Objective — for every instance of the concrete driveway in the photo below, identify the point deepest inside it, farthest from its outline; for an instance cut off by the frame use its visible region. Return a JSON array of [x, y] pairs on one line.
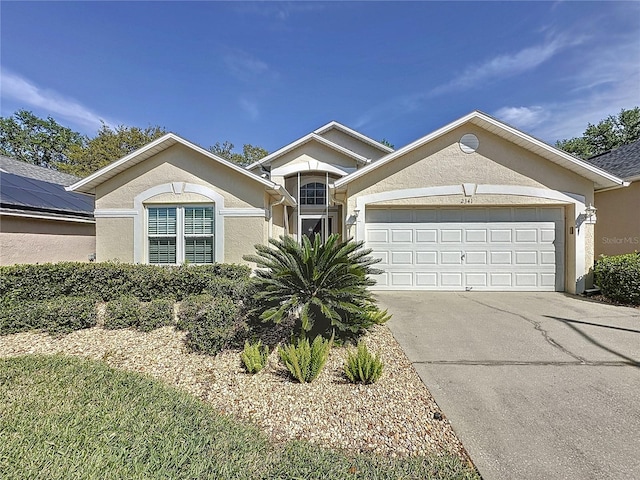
[[536, 385]]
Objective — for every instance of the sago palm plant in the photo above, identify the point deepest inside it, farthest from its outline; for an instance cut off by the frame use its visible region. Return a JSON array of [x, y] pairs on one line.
[[322, 286]]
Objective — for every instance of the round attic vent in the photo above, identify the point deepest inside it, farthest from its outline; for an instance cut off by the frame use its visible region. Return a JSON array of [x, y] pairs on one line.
[[469, 143]]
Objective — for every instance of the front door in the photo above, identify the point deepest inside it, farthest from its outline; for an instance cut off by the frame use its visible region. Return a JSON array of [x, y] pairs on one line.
[[310, 225]]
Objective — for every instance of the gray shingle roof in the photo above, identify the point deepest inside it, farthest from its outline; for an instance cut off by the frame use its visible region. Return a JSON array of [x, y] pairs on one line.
[[24, 169], [624, 161]]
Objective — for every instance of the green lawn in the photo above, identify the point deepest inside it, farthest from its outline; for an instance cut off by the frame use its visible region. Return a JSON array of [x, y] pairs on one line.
[[63, 417]]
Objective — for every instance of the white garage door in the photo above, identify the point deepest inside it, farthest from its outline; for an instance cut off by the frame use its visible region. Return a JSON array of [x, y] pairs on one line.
[[467, 249]]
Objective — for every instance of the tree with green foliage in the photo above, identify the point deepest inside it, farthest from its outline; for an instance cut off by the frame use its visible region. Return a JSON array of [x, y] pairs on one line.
[[386, 143], [249, 155], [321, 286], [108, 145], [608, 134], [42, 142]]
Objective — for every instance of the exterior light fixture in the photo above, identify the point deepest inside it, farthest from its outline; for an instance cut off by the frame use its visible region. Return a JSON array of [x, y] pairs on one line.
[[590, 214]]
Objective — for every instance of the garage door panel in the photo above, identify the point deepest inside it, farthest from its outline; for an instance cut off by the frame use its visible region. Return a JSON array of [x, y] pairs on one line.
[[443, 254], [402, 236], [476, 258], [451, 279], [448, 235], [426, 236], [473, 235], [376, 235], [427, 258], [401, 258], [451, 258]]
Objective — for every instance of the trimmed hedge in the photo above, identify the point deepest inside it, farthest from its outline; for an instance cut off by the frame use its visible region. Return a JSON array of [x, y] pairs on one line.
[[109, 280], [213, 323], [129, 312], [56, 316], [619, 277]]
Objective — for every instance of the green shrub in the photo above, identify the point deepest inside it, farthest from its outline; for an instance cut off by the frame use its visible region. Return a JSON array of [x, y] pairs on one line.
[[619, 277], [110, 280], [322, 285], [155, 314], [254, 356], [56, 316], [212, 322], [362, 366], [123, 312], [303, 360]]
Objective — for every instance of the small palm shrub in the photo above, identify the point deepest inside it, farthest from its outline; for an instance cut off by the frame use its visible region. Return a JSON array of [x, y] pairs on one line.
[[322, 286], [363, 367], [254, 356], [303, 360]]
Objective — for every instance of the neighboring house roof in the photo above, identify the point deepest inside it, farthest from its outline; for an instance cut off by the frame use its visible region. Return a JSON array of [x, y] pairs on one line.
[[624, 161], [23, 196], [600, 178], [88, 184], [24, 169]]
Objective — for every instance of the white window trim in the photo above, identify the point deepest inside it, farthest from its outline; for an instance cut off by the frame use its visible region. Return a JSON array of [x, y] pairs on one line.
[[140, 220], [180, 234]]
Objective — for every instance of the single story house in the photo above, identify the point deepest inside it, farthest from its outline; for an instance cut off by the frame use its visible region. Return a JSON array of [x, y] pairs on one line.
[[474, 205], [40, 221], [618, 226]]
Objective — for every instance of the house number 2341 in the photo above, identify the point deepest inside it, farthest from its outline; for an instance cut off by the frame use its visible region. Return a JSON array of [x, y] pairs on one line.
[[466, 200]]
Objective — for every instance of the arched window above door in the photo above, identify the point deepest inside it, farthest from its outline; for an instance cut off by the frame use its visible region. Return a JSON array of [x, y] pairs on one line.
[[313, 193]]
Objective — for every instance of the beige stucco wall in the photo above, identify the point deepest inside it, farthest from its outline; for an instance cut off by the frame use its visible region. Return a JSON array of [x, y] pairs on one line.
[[240, 236], [114, 239], [618, 220], [31, 240], [180, 164], [353, 144]]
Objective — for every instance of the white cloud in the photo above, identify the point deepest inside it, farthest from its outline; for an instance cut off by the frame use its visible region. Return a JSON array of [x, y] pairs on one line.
[[250, 108], [602, 87], [246, 67], [507, 65], [22, 90], [525, 118]]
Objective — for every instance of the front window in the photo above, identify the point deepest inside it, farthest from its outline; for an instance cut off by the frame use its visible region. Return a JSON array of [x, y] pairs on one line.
[[180, 234], [314, 193]]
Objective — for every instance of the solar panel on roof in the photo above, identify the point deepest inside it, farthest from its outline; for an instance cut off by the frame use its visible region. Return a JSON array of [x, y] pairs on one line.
[[18, 191]]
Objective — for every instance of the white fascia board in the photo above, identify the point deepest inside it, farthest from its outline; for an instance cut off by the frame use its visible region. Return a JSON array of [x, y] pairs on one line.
[[301, 141], [282, 192], [164, 142], [353, 133], [478, 118], [44, 216]]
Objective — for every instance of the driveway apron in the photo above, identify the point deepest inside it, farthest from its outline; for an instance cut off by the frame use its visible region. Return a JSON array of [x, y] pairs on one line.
[[536, 385]]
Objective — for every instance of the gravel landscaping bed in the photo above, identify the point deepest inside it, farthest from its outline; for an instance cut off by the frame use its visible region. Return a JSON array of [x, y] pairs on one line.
[[396, 416]]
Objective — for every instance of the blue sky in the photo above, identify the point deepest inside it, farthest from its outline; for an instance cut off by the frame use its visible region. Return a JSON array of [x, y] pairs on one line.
[[267, 73]]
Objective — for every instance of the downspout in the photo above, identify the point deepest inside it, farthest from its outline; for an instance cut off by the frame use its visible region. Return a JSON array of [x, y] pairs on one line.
[[343, 220], [279, 202]]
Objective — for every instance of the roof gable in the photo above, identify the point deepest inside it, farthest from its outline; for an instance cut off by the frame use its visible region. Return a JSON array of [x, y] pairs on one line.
[[311, 137], [601, 178], [88, 184], [624, 161], [333, 125]]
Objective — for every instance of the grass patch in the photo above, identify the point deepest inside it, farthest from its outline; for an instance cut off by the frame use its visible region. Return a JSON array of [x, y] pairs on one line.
[[63, 417]]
